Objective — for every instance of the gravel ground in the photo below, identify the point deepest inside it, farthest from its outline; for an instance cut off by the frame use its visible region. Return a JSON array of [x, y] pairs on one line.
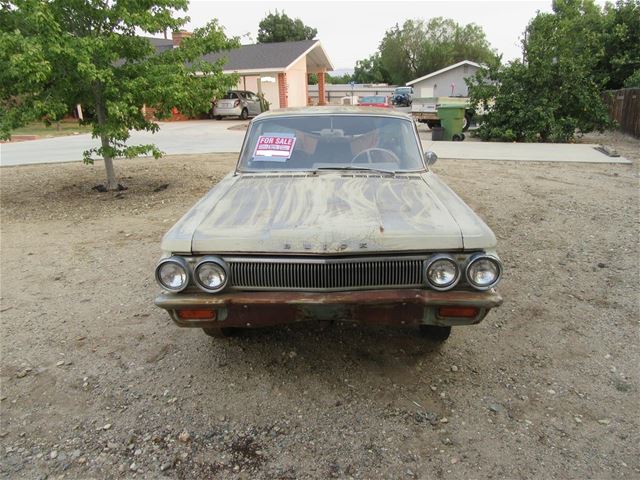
[[98, 383]]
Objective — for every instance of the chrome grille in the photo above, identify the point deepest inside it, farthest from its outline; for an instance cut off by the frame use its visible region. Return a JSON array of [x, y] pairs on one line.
[[330, 274]]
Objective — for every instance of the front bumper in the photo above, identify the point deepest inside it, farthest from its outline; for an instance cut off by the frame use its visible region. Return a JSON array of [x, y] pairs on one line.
[[379, 307]]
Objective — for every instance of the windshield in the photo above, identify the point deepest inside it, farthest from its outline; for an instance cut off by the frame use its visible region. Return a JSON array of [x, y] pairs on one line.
[[331, 142], [230, 96], [403, 90]]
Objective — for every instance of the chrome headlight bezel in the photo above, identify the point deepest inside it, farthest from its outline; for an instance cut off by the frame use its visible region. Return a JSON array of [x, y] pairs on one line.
[[178, 261], [483, 256], [429, 264], [217, 261]]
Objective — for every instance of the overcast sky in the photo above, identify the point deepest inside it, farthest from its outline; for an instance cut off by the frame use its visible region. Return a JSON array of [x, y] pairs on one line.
[[352, 30]]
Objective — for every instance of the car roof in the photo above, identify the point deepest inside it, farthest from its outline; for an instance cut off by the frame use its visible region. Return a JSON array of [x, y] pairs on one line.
[[333, 110]]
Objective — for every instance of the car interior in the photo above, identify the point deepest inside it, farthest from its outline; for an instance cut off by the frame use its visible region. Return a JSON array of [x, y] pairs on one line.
[[325, 142]]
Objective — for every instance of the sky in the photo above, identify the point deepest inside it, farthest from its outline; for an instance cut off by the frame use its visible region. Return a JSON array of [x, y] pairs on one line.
[[352, 30]]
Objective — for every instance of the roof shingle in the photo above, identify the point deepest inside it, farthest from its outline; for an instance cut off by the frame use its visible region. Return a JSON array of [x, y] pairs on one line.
[[160, 44], [275, 56]]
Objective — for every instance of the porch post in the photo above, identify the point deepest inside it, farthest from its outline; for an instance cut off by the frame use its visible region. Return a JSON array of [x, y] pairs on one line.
[[282, 90], [321, 100]]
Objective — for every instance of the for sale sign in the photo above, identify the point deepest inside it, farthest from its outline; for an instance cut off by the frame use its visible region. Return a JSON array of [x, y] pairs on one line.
[[274, 147]]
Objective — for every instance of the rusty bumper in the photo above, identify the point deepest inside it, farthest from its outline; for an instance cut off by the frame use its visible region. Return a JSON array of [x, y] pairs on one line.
[[380, 307]]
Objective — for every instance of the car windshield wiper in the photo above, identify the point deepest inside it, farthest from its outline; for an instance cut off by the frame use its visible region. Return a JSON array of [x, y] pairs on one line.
[[364, 169]]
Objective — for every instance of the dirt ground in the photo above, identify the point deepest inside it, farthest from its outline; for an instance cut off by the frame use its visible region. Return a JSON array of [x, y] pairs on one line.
[[98, 383]]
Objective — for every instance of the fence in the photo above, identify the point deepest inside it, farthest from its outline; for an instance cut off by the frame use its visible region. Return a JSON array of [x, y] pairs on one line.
[[624, 108]]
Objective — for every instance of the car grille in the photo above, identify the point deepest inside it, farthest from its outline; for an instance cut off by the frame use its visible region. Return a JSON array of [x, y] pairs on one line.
[[325, 275]]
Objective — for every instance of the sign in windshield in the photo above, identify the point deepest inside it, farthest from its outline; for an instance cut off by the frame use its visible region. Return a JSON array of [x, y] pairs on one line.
[[274, 146], [325, 142]]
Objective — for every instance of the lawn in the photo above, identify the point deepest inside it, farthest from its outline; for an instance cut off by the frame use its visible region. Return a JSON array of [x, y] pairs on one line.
[[66, 127]]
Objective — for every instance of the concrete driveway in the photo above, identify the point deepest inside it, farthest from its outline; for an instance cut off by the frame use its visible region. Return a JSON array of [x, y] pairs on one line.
[[527, 152], [198, 136], [210, 136]]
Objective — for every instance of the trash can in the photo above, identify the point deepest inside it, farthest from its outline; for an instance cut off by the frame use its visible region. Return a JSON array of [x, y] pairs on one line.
[[437, 133], [452, 119]]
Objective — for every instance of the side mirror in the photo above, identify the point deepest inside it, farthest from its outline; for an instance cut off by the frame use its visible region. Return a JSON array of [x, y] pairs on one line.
[[430, 157]]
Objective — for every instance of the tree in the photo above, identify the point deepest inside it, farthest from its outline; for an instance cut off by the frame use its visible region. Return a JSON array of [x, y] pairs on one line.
[[633, 80], [418, 48], [338, 79], [555, 91], [279, 27], [61, 53], [370, 70], [621, 55]]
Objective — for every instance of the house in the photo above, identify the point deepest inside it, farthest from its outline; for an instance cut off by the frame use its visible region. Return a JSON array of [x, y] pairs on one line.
[[446, 82], [278, 70]]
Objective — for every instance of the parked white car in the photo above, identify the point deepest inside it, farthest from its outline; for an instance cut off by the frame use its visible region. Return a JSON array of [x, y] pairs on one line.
[[237, 103]]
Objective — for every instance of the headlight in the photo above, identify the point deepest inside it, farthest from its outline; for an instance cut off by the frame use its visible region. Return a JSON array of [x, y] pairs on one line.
[[173, 274], [442, 272], [483, 272], [211, 274]]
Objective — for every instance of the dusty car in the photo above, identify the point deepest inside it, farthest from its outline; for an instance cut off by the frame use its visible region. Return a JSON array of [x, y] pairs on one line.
[[332, 213], [237, 103]]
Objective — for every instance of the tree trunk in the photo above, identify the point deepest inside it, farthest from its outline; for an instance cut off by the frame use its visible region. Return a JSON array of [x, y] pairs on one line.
[[112, 183], [101, 114]]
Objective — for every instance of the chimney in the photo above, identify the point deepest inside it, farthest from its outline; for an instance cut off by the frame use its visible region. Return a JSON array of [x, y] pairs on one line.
[[178, 36]]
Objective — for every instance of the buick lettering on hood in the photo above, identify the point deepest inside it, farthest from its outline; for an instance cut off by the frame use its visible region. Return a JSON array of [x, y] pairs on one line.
[[332, 213]]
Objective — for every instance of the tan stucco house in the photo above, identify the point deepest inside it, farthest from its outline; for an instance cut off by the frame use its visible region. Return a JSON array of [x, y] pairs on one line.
[[279, 70]]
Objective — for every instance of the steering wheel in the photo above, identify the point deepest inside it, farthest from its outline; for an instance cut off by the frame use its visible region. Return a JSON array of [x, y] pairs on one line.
[[374, 149]]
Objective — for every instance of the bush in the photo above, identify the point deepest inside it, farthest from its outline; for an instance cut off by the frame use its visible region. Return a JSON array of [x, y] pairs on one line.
[[556, 91], [525, 103], [633, 81]]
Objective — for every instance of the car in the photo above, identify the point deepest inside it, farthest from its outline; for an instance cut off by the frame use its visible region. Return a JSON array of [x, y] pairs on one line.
[[237, 103], [331, 213], [402, 96], [374, 101]]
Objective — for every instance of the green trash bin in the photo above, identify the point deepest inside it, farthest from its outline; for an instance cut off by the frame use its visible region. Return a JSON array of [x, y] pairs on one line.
[[452, 119]]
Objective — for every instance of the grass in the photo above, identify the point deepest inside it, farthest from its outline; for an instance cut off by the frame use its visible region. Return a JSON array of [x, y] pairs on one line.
[[67, 127]]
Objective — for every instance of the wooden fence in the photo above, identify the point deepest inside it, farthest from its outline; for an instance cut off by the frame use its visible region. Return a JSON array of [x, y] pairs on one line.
[[624, 108]]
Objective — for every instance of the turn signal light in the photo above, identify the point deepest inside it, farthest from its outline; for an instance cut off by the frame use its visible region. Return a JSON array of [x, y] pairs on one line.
[[197, 314], [458, 312]]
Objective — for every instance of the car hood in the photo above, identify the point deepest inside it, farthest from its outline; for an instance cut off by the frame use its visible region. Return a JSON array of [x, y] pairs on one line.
[[329, 212]]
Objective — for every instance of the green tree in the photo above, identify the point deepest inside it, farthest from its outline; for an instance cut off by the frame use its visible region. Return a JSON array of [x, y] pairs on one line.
[[621, 55], [555, 91], [279, 27], [370, 70], [418, 48], [633, 80], [338, 79], [60, 53]]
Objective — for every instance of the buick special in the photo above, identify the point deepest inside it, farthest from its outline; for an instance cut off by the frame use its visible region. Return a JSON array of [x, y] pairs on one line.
[[331, 213]]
